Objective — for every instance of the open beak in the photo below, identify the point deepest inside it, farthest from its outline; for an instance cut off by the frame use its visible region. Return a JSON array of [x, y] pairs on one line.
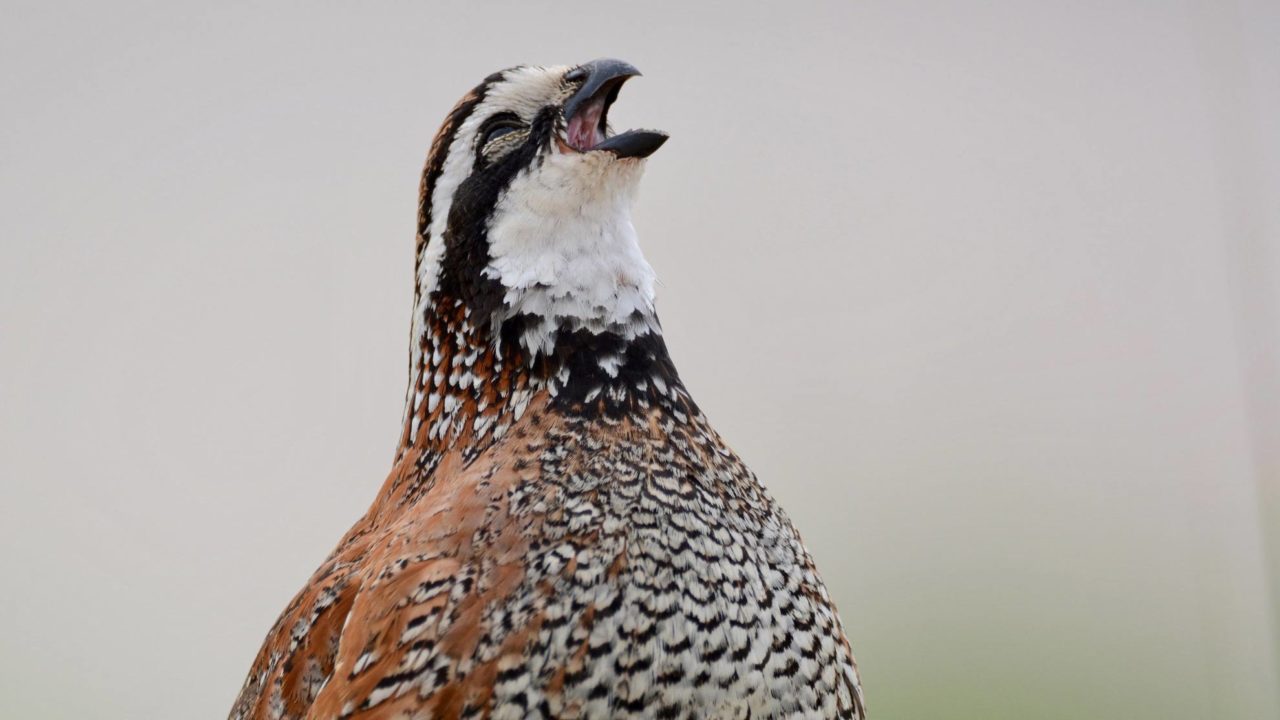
[[586, 112]]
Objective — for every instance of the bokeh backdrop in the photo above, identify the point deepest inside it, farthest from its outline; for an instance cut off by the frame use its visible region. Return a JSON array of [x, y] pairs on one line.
[[985, 292]]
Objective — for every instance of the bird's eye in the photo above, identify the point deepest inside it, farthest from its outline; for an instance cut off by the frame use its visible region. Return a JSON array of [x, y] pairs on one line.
[[498, 130]]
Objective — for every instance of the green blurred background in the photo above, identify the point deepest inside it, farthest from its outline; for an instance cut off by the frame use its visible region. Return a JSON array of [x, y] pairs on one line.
[[985, 292]]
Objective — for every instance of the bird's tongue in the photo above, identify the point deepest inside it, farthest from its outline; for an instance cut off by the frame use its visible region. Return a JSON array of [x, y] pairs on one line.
[[584, 127]]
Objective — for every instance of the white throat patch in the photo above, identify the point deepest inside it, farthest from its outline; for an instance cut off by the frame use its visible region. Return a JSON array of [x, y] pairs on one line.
[[562, 245]]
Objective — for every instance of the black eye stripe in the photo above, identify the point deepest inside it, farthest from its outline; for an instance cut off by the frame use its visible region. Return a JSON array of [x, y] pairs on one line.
[[466, 235]]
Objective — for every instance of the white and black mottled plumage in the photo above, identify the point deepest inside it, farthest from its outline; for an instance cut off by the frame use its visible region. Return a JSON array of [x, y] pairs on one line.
[[563, 533]]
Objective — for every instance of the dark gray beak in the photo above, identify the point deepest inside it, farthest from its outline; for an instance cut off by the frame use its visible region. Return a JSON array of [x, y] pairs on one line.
[[602, 79]]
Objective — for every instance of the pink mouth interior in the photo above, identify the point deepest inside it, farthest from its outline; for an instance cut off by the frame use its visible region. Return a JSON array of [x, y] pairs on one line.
[[584, 127]]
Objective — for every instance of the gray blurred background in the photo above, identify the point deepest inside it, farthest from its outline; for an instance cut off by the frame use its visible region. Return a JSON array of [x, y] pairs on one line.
[[985, 292]]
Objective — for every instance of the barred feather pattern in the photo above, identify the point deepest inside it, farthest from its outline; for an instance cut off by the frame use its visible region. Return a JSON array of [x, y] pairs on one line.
[[579, 568]]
